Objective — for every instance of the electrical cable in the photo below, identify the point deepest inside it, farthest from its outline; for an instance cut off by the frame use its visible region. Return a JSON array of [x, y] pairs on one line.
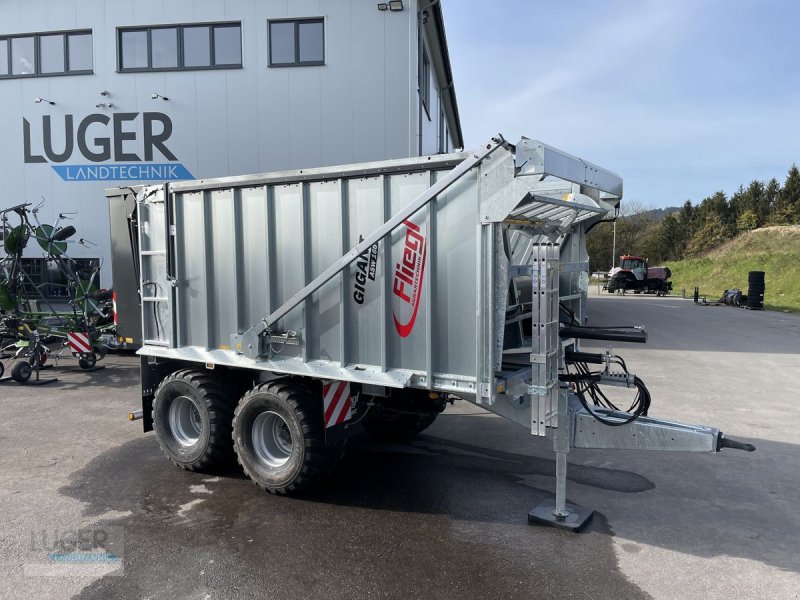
[[586, 383]]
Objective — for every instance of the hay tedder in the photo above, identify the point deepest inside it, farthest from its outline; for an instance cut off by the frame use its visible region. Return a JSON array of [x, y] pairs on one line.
[[37, 328]]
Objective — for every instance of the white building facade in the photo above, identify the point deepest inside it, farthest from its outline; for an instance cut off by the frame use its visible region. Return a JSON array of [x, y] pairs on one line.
[[98, 93]]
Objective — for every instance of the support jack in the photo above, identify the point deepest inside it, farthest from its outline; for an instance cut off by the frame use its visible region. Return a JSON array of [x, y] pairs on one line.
[[575, 519]]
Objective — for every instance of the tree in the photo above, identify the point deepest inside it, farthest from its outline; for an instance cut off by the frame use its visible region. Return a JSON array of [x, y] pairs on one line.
[[790, 197], [598, 245], [777, 214], [747, 221], [670, 240], [740, 202], [758, 201], [709, 235]]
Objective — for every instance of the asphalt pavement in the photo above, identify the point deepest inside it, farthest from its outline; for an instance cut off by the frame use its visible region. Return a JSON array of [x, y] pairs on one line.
[[443, 516]]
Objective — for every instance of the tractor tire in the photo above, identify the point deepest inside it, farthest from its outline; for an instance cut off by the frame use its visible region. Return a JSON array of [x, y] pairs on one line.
[[401, 416], [2, 370], [21, 371], [192, 418], [279, 437]]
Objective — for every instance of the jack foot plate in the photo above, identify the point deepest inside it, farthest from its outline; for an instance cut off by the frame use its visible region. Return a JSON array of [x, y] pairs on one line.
[[576, 519]]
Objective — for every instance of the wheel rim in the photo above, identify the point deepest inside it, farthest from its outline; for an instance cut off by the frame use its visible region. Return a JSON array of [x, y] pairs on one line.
[[184, 421], [272, 439]]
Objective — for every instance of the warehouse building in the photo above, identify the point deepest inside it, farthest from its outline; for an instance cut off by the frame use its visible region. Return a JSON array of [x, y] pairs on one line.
[[97, 94]]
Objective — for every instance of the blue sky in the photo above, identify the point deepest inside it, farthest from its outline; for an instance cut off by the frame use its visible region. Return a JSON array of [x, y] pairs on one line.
[[681, 98]]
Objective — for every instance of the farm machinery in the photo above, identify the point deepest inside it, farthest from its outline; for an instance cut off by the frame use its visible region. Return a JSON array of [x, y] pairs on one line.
[[633, 274], [282, 313], [33, 327]]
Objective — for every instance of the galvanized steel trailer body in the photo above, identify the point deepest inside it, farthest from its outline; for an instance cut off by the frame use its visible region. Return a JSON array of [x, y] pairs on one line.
[[447, 273]]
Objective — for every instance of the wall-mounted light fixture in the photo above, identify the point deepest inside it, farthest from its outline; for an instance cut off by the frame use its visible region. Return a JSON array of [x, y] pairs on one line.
[[104, 93], [40, 100], [156, 96], [105, 105], [394, 5]]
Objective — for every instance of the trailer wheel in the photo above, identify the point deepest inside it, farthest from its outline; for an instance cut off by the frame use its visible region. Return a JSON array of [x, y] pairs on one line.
[[279, 437], [402, 415], [88, 361], [192, 419], [21, 371]]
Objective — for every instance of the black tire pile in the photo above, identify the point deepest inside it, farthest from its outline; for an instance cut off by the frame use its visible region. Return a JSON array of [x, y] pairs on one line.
[[755, 289]]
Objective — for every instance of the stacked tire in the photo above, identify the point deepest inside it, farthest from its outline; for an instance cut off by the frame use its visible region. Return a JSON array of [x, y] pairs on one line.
[[755, 290]]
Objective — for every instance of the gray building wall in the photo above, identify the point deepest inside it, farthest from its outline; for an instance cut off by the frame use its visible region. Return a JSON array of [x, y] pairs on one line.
[[362, 105]]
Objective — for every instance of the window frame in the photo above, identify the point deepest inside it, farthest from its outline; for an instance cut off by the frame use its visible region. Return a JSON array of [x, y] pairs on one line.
[[37, 66], [296, 21], [442, 128], [181, 67], [425, 81]]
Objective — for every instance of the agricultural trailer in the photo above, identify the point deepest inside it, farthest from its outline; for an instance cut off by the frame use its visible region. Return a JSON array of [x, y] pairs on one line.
[[283, 312]]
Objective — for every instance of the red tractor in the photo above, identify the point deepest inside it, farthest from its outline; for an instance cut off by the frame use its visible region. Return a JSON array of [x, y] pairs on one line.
[[634, 275]]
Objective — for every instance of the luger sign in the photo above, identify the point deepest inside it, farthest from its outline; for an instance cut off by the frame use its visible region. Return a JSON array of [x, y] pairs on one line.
[[100, 139]]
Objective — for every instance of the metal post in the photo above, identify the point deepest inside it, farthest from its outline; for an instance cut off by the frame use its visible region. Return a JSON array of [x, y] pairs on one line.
[[561, 448], [614, 247], [558, 512], [561, 485]]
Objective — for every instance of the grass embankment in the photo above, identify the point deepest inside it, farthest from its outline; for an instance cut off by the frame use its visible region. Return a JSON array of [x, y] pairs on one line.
[[774, 250]]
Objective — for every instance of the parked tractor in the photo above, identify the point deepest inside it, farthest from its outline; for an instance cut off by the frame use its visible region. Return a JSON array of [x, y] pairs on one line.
[[633, 275]]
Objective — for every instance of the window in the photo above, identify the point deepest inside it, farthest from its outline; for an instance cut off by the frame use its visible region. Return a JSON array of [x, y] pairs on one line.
[[135, 45], [3, 57], [164, 42], [296, 43], [52, 54], [196, 47], [79, 51], [425, 81], [23, 56], [46, 54], [227, 46], [179, 47]]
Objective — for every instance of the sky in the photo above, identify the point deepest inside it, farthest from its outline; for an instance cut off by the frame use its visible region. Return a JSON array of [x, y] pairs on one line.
[[682, 98]]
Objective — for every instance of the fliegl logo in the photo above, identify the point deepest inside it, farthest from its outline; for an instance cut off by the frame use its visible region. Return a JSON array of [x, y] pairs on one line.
[[408, 275], [104, 144]]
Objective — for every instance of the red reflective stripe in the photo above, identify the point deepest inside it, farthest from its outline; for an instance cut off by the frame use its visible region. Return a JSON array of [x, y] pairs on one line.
[[79, 342], [345, 414], [334, 401]]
